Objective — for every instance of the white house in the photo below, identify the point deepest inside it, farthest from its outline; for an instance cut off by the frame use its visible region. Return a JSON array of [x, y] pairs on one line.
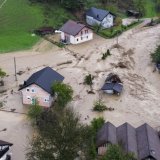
[[4, 150], [104, 18], [38, 87], [74, 32]]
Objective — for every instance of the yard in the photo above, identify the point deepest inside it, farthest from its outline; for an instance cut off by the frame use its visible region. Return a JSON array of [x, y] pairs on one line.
[[18, 20]]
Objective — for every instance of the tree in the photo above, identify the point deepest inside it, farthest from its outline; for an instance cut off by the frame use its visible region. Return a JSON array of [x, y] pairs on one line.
[[60, 136], [156, 55], [115, 152], [34, 112], [64, 93], [139, 5], [89, 80]]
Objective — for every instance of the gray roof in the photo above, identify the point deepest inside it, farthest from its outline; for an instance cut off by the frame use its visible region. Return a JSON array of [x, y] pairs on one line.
[[148, 142], [143, 141], [71, 27], [98, 14], [117, 87], [44, 79], [126, 135], [107, 134], [4, 143]]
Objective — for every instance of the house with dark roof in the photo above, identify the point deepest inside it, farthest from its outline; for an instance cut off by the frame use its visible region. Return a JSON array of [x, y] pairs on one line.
[[38, 87], [143, 141], [4, 150], [103, 18], [74, 32], [112, 85]]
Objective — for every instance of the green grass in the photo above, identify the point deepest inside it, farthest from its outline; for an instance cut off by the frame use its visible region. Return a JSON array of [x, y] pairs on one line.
[[150, 8], [19, 18]]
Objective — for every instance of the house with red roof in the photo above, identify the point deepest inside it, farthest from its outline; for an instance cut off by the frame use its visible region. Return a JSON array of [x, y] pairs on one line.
[[74, 32]]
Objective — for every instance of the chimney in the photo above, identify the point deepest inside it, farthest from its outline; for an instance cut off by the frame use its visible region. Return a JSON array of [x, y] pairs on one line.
[[97, 15]]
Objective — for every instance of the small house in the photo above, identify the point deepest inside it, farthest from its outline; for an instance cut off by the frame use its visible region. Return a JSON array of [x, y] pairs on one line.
[[74, 32], [38, 87], [143, 141], [112, 85], [100, 17], [4, 150]]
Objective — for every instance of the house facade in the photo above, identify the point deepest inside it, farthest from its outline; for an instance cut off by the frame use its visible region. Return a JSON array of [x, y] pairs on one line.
[[33, 93], [74, 33], [99, 17], [37, 89], [143, 141]]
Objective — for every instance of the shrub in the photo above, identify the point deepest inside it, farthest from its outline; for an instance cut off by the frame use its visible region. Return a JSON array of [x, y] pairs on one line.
[[118, 21], [156, 55], [97, 123], [99, 106], [88, 79], [105, 55]]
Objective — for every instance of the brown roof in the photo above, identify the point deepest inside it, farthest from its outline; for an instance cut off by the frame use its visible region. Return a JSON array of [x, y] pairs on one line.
[[143, 141], [71, 27]]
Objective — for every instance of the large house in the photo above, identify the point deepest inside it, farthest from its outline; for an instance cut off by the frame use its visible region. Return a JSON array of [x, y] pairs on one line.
[[38, 87], [74, 32], [103, 18], [143, 142], [4, 149]]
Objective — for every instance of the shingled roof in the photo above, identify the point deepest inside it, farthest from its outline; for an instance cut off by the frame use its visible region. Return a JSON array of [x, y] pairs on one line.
[[148, 142], [44, 79], [143, 141], [98, 14], [126, 135], [72, 28], [107, 134]]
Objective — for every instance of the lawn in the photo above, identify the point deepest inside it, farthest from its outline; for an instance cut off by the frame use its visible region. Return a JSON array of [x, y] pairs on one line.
[[150, 8], [19, 18]]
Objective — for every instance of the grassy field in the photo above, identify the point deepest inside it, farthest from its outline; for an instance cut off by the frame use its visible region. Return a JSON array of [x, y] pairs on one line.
[[18, 19], [150, 10]]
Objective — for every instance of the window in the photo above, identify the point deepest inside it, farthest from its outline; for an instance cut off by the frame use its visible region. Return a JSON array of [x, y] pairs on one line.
[[28, 97], [77, 39], [87, 37], [27, 89], [81, 38], [33, 90], [81, 32], [46, 100], [86, 31]]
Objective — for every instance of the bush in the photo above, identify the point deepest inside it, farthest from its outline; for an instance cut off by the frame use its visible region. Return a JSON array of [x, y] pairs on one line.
[[105, 55], [156, 55], [88, 79], [99, 106], [118, 21], [97, 123]]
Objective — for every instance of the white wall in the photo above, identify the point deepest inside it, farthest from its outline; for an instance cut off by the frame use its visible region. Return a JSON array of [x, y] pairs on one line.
[[81, 39], [106, 23]]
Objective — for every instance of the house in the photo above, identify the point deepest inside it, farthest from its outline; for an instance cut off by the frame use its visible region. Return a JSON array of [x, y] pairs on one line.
[[4, 149], [38, 87], [104, 18], [112, 85], [143, 141], [75, 32]]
